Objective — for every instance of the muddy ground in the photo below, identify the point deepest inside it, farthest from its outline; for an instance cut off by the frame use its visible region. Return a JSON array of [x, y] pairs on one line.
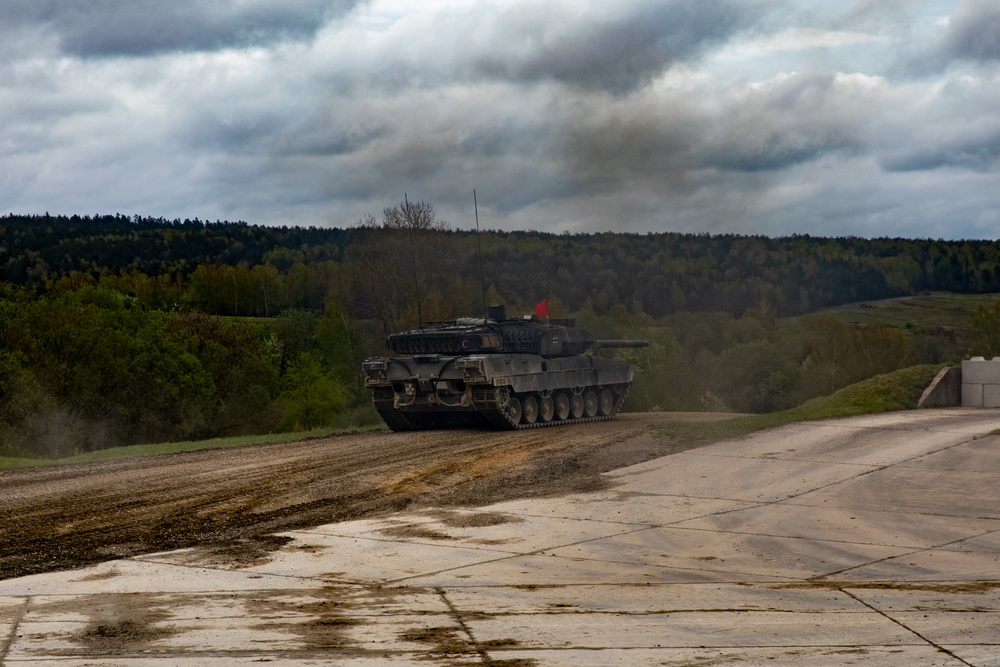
[[232, 501]]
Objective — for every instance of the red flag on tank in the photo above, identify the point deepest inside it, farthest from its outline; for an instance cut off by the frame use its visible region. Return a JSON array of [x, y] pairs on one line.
[[542, 309]]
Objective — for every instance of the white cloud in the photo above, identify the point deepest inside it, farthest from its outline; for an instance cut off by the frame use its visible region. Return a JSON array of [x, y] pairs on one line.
[[794, 39]]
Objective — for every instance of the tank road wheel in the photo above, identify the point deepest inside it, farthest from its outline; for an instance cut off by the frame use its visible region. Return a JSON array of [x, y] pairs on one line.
[[546, 409], [605, 402], [590, 403], [562, 406], [530, 409], [514, 410], [576, 406]]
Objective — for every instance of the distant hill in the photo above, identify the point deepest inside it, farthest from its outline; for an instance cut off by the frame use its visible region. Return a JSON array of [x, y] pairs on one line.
[[924, 311]]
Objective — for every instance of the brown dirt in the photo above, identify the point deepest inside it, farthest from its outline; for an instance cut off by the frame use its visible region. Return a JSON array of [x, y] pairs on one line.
[[231, 501]]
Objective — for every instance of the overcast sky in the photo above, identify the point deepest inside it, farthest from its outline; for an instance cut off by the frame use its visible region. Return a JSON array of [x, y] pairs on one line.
[[824, 117]]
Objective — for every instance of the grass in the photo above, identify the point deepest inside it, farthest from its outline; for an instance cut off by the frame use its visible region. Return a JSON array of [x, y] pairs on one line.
[[936, 309], [114, 453], [899, 390]]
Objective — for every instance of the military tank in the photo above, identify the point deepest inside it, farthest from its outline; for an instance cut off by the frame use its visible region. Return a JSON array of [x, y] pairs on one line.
[[506, 372]]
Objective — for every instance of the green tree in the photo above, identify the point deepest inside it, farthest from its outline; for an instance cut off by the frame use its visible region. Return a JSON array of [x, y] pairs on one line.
[[665, 377], [207, 289], [830, 363], [310, 397], [760, 377], [294, 335], [243, 371], [343, 348], [20, 398]]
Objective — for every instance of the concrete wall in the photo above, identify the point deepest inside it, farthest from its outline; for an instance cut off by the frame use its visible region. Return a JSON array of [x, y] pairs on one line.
[[945, 391], [981, 383]]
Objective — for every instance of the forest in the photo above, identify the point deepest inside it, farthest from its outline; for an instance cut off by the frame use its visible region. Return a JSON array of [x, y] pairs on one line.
[[120, 330]]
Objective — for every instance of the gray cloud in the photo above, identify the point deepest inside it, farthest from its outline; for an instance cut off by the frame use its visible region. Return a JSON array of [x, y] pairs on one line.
[[101, 28], [578, 116], [672, 141], [979, 153], [974, 31], [954, 125], [795, 119], [617, 53]]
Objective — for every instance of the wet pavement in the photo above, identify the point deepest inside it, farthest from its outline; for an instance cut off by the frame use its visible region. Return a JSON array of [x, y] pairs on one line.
[[872, 540]]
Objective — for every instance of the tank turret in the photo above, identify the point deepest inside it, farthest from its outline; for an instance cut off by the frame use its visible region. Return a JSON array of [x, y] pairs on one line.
[[499, 334], [511, 372]]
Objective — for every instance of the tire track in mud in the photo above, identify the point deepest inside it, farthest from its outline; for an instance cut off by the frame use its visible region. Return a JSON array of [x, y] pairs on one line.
[[72, 516]]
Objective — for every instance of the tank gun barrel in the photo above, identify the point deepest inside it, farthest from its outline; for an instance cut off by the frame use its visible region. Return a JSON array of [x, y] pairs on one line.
[[619, 343]]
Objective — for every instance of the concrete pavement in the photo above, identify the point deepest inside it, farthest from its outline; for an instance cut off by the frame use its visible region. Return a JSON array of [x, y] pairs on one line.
[[872, 540]]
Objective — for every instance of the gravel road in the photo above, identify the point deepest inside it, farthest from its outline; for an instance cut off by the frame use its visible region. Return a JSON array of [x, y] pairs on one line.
[[233, 500]]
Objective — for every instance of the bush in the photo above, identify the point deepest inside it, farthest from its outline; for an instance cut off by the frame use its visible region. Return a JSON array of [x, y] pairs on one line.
[[310, 397]]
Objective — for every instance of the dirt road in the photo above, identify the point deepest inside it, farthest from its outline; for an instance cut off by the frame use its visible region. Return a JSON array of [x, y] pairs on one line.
[[233, 500]]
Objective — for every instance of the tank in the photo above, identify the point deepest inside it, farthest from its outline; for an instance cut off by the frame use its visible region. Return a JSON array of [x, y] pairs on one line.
[[504, 372]]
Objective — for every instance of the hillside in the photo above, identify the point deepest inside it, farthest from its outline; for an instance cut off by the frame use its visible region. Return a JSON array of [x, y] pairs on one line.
[[921, 311]]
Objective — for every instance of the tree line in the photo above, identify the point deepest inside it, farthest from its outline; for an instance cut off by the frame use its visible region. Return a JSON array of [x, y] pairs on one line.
[[239, 269], [91, 368]]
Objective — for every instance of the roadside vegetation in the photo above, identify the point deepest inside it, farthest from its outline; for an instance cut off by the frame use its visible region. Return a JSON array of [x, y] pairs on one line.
[[899, 390], [119, 331]]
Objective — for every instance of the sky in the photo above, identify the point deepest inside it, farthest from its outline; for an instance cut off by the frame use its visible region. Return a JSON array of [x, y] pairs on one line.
[[867, 118]]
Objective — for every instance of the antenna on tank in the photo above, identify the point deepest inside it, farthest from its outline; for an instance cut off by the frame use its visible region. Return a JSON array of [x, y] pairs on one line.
[[479, 242], [413, 260]]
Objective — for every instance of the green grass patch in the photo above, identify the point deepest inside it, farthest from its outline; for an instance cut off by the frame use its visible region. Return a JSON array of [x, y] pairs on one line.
[[936, 309], [884, 393], [114, 453]]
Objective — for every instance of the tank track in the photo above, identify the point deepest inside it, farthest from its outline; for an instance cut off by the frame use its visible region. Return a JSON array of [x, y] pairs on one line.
[[397, 420], [382, 398], [492, 405]]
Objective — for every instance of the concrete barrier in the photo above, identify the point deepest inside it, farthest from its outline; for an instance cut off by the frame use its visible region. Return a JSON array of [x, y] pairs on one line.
[[981, 383]]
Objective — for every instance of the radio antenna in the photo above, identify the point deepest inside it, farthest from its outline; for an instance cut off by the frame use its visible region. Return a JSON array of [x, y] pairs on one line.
[[479, 242], [413, 259]]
